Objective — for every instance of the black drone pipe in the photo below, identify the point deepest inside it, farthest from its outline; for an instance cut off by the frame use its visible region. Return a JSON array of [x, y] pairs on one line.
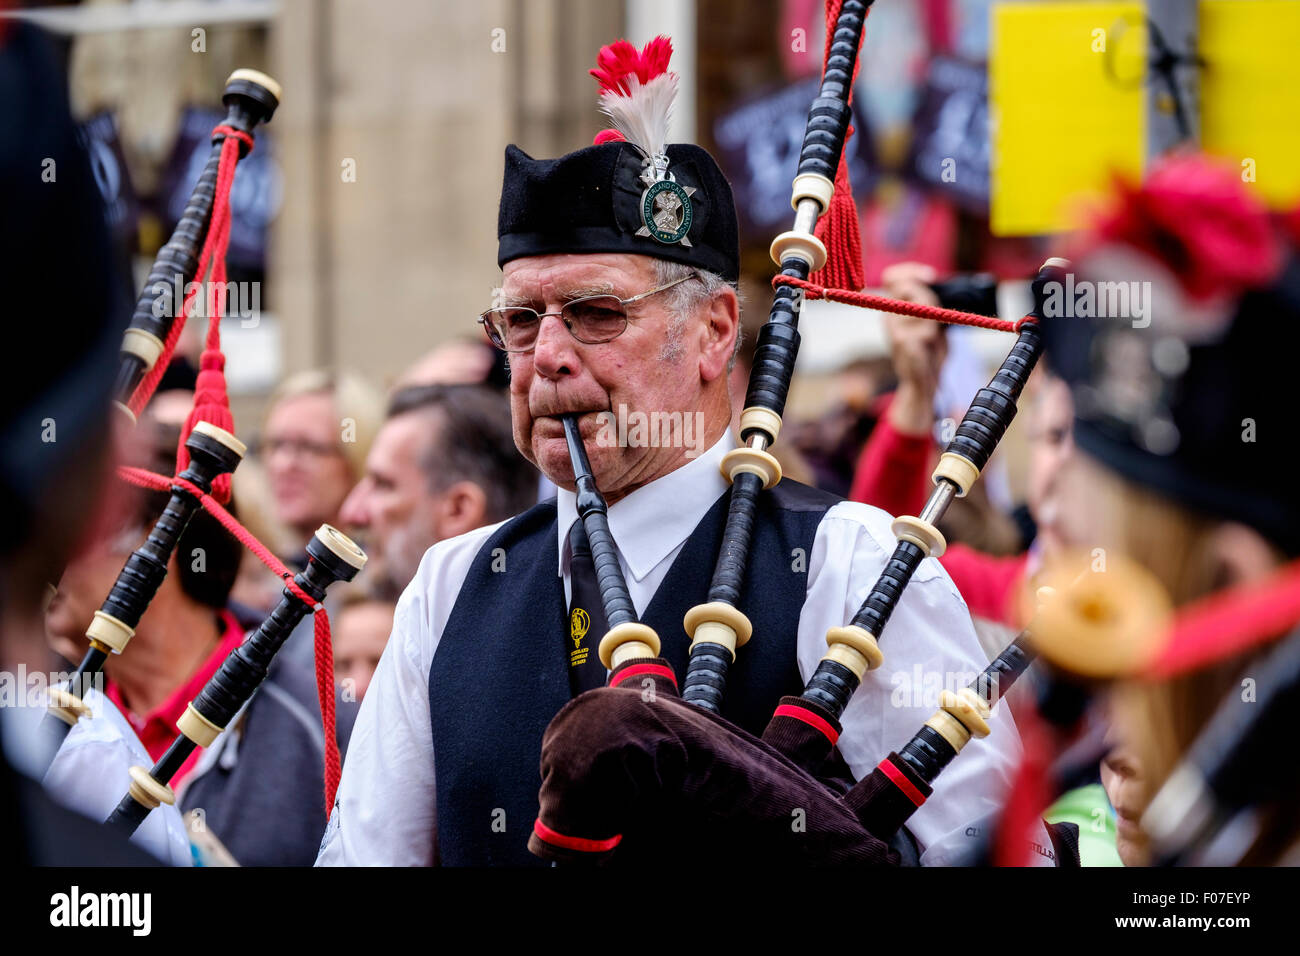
[[213, 452], [331, 557], [627, 639], [718, 627], [251, 99]]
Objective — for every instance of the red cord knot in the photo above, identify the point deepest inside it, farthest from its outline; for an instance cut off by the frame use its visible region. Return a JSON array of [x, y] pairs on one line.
[[245, 139]]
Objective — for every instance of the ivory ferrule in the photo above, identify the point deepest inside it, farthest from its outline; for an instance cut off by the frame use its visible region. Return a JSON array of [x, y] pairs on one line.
[[143, 345], [125, 410], [854, 647], [801, 245], [148, 792], [763, 420], [920, 533], [969, 708], [950, 728], [197, 727], [811, 188], [67, 706], [718, 623], [958, 470], [753, 461], [107, 631], [626, 642]]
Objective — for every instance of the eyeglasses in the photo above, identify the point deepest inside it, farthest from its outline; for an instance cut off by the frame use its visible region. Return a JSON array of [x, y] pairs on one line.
[[592, 320], [298, 447]]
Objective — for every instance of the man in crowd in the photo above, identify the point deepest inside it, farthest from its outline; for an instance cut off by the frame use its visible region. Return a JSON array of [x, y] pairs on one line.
[[443, 463]]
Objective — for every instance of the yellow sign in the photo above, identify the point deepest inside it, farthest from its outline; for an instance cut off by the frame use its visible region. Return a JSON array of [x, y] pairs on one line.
[[1250, 91], [1066, 110]]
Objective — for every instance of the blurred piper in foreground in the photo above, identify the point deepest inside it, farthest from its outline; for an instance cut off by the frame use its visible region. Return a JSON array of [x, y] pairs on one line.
[[1182, 451]]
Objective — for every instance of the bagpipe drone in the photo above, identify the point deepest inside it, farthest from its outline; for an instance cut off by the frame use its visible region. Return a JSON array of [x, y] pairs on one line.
[[208, 454]]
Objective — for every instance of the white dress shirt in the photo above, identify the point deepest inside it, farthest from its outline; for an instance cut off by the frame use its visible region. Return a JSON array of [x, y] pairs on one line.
[[91, 772], [386, 801]]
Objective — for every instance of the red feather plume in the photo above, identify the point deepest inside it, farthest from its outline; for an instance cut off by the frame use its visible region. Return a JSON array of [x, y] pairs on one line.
[[1196, 216], [620, 60]]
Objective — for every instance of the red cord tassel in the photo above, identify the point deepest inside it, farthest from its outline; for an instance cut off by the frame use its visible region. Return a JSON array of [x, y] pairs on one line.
[[211, 404], [840, 233], [211, 398], [838, 229]]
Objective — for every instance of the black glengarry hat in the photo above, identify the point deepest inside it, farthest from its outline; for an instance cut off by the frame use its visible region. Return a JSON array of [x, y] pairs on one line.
[[629, 193], [1190, 398]]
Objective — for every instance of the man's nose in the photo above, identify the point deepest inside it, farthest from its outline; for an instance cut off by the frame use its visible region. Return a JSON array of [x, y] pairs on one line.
[[355, 510], [555, 354]]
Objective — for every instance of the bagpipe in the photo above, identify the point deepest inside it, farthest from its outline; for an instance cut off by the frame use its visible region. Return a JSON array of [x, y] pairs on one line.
[[207, 455], [331, 557], [251, 99], [594, 794]]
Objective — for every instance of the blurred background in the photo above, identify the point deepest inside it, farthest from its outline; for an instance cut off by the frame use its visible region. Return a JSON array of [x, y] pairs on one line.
[[364, 221], [368, 210]]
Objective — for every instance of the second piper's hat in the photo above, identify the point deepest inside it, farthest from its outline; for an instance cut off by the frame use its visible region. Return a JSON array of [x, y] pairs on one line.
[[1181, 389]]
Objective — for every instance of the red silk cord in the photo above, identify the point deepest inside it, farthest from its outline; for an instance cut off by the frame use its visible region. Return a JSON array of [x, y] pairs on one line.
[[220, 210], [211, 401], [884, 303]]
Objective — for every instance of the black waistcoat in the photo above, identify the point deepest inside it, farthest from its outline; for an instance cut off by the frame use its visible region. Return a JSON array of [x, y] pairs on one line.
[[500, 672]]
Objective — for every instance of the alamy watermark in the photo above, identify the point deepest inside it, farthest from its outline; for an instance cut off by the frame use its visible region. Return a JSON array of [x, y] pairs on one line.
[[1084, 299], [75, 908], [228, 299], [24, 688], [921, 688], [637, 429]]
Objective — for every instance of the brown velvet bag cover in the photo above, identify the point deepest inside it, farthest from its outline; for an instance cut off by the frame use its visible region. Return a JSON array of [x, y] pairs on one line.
[[670, 782]]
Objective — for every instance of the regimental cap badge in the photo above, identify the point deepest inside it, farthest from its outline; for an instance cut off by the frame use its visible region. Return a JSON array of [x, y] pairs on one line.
[[637, 94], [666, 212]]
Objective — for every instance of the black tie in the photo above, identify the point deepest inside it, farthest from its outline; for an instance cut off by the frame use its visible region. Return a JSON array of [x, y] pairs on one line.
[[587, 623]]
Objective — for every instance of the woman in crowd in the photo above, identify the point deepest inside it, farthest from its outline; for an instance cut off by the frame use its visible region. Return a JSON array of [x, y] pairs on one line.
[[314, 446]]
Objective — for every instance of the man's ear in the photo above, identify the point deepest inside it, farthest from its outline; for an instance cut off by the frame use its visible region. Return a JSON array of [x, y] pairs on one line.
[[718, 333], [461, 508]]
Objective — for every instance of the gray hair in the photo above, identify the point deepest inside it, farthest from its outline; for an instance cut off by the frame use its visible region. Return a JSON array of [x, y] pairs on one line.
[[473, 441], [682, 301]]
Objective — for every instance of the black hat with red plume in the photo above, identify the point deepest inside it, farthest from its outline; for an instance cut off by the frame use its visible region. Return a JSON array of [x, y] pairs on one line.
[[630, 192], [1178, 333]]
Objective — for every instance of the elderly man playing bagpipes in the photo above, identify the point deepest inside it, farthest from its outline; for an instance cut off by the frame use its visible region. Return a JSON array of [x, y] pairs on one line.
[[687, 560]]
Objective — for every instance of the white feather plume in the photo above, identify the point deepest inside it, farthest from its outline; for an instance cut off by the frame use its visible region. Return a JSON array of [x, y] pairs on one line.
[[642, 115]]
